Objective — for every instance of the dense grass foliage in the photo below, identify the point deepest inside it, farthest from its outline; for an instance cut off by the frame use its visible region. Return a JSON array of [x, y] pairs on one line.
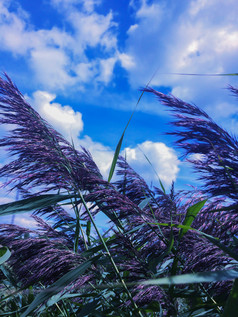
[[165, 254]]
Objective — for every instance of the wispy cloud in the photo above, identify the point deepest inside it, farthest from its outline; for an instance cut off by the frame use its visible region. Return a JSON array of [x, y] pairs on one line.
[[59, 57]]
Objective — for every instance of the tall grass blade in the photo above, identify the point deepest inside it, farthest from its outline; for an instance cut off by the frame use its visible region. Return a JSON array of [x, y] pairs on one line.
[[144, 203], [4, 254], [118, 148], [57, 298], [59, 285], [190, 278], [32, 203], [117, 152], [88, 232], [154, 261], [220, 245], [201, 277], [89, 308], [231, 307], [160, 182], [191, 214]]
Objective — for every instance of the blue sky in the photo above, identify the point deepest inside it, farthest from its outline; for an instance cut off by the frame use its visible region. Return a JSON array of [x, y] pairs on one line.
[[81, 64]]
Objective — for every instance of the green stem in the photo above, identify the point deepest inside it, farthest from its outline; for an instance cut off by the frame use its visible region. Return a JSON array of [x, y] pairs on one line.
[[78, 229], [109, 255]]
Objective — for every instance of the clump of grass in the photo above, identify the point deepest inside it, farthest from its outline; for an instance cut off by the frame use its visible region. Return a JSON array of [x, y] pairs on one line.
[[166, 254]]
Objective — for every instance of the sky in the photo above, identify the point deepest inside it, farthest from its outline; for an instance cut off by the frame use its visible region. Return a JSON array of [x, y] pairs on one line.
[[81, 65]]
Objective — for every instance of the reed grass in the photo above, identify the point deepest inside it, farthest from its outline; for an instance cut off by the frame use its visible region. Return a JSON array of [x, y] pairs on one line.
[[165, 254]]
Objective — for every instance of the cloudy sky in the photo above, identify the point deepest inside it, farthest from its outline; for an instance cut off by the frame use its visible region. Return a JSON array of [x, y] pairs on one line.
[[81, 64]]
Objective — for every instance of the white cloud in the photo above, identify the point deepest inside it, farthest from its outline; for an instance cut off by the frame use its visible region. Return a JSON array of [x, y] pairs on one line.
[[101, 154], [70, 124], [163, 159], [88, 5], [185, 37], [57, 56], [85, 71], [50, 67], [25, 221], [98, 32], [106, 69], [187, 43], [132, 28], [196, 6], [126, 60], [11, 27], [63, 118], [152, 10]]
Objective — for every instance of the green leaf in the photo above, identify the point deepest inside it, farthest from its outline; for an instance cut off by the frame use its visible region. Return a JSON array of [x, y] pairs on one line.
[[154, 261], [191, 278], [89, 308], [88, 232], [115, 157], [212, 239], [113, 217], [220, 245], [168, 224], [94, 250], [4, 254], [148, 160], [191, 215], [231, 307], [118, 148], [201, 277], [59, 285], [32, 203], [144, 203], [56, 298]]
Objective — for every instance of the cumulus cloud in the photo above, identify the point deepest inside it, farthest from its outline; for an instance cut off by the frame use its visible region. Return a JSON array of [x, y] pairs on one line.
[[101, 154], [54, 64], [163, 159], [63, 118], [70, 124]]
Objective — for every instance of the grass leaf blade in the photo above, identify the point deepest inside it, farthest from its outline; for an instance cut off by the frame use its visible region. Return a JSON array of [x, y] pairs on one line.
[[32, 203], [192, 212], [59, 285], [231, 307], [4, 254], [191, 278]]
